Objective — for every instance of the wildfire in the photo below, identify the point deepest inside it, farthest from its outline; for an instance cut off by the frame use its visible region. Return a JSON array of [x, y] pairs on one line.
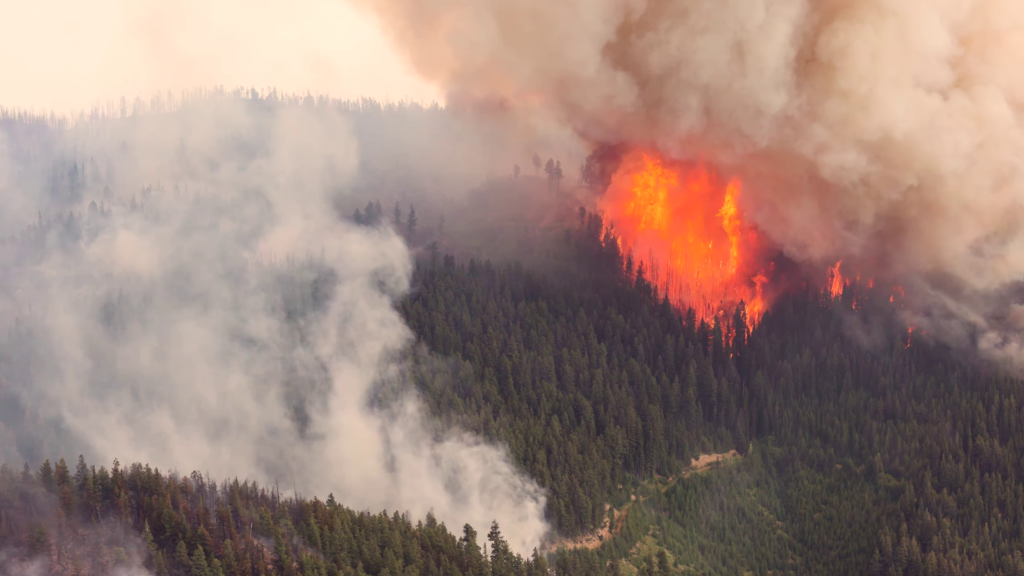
[[687, 226], [835, 284], [897, 290], [835, 287]]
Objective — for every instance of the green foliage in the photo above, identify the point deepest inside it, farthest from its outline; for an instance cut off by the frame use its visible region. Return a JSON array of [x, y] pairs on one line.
[[879, 460], [38, 541], [197, 564], [882, 459], [584, 381], [189, 526]]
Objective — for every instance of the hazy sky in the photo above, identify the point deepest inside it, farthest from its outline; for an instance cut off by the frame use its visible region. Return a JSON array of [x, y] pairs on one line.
[[66, 54]]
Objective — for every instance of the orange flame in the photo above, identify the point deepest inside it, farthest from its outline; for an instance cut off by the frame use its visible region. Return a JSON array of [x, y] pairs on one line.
[[897, 291], [689, 230], [835, 288]]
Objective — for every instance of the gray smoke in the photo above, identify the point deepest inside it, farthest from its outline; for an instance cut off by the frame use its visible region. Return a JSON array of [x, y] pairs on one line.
[[204, 308], [887, 134]]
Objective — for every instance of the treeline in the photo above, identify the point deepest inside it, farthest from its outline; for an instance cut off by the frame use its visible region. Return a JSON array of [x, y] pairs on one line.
[[91, 521], [373, 215], [166, 102]]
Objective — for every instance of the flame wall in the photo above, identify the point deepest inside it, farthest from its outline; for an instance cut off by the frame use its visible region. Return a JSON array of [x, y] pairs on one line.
[[882, 133], [683, 222]]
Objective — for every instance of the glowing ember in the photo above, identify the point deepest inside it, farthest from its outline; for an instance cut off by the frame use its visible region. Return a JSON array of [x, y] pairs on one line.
[[688, 228]]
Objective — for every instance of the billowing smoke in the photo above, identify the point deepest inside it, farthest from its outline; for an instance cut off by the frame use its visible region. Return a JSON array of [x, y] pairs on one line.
[[203, 307], [884, 133]]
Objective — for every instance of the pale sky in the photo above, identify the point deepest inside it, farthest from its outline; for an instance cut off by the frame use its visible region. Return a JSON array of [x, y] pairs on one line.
[[67, 55]]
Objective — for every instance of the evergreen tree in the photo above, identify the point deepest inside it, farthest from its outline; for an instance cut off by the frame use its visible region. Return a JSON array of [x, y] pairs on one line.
[[181, 558], [197, 564], [282, 555], [38, 541], [410, 225], [46, 477]]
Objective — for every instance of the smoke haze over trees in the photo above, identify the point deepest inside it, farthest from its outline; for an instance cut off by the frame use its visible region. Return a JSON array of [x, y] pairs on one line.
[[386, 346], [854, 460], [180, 289]]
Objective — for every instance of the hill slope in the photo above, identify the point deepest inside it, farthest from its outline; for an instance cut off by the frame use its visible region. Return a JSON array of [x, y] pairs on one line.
[[899, 458]]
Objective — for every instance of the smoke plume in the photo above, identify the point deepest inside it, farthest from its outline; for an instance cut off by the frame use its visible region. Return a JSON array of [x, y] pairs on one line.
[[884, 133], [204, 308]]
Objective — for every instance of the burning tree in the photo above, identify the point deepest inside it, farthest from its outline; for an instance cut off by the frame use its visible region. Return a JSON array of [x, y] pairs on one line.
[[686, 224]]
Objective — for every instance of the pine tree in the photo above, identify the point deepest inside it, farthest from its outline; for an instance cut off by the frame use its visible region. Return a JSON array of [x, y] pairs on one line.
[[473, 560], [181, 559], [147, 539], [46, 476], [62, 476], [500, 565], [410, 225], [160, 565], [229, 561], [197, 564], [282, 555]]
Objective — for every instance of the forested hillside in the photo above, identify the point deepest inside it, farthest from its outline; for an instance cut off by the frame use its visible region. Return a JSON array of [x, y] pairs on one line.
[[894, 458], [888, 456], [100, 521]]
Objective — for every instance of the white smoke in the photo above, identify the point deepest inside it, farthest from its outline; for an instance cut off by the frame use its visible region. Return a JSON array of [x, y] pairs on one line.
[[228, 321], [884, 133]]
